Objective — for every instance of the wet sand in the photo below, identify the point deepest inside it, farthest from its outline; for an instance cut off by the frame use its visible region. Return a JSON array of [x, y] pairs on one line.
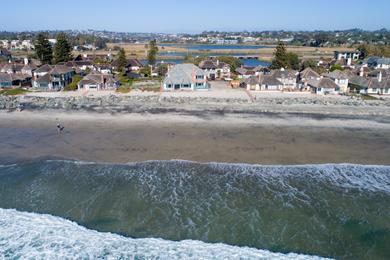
[[257, 139]]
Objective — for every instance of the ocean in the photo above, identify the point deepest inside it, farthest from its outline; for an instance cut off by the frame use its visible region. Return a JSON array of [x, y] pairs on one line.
[[189, 210]]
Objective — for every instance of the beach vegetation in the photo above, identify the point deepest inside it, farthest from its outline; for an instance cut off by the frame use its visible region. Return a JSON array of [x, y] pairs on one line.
[[13, 92], [125, 81], [123, 89]]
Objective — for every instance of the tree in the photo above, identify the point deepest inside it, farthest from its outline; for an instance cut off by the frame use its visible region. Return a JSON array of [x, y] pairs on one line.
[[62, 49], [73, 85], [232, 61], [121, 60], [293, 61], [284, 59], [43, 49], [152, 52], [336, 67], [364, 51], [280, 57]]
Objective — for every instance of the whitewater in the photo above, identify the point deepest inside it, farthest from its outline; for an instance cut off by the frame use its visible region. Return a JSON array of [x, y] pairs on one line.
[[40, 236], [190, 210]]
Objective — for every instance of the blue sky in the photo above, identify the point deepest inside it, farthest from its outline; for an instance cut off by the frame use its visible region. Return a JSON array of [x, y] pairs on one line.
[[172, 16]]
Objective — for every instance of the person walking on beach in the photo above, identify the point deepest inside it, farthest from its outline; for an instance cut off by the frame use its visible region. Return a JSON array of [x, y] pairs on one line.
[[60, 128]]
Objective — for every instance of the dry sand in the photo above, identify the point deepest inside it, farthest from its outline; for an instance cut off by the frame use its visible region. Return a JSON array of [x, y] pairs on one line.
[[260, 139]]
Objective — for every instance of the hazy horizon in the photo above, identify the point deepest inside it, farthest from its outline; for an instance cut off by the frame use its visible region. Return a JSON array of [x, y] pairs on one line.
[[194, 17]]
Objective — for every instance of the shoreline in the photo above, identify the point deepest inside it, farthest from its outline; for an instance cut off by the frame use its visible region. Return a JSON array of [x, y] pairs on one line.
[[261, 139]]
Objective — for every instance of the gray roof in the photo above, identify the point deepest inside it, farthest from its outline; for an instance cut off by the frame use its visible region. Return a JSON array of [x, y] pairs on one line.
[[337, 74], [60, 69], [370, 82], [98, 78], [308, 73], [285, 73], [43, 68], [269, 80], [252, 80], [322, 83], [183, 74], [374, 61], [44, 79]]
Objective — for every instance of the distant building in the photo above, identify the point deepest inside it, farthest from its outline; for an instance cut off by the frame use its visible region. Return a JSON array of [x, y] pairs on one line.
[[185, 77], [345, 55]]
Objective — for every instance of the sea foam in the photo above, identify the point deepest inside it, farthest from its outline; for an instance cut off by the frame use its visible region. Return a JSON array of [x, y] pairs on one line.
[[42, 236]]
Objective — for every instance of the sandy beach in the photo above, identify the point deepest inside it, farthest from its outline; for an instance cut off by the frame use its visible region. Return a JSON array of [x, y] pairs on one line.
[[243, 138]]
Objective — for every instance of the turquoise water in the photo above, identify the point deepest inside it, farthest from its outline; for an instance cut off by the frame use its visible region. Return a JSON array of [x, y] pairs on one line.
[[338, 211]]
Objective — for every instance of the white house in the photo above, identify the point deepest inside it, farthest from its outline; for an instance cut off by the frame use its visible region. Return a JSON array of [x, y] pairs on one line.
[[185, 77]]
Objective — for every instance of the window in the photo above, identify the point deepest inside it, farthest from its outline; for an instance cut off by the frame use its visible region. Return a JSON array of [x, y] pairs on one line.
[[199, 84], [186, 86], [199, 77], [169, 85]]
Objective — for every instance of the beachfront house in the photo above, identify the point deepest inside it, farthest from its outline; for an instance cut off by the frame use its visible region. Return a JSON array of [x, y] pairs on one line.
[[287, 77], [262, 83], [215, 69], [305, 75], [340, 78], [185, 77], [97, 82], [323, 86], [374, 86], [54, 77]]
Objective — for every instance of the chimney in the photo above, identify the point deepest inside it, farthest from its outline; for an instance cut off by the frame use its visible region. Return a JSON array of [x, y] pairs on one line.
[[349, 62], [361, 73], [217, 62], [25, 61], [380, 76]]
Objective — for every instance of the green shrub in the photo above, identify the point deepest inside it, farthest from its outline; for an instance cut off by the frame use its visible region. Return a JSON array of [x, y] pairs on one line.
[[73, 85]]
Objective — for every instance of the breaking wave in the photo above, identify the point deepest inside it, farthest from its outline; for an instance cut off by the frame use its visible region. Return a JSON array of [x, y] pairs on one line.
[[41, 236], [338, 211]]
